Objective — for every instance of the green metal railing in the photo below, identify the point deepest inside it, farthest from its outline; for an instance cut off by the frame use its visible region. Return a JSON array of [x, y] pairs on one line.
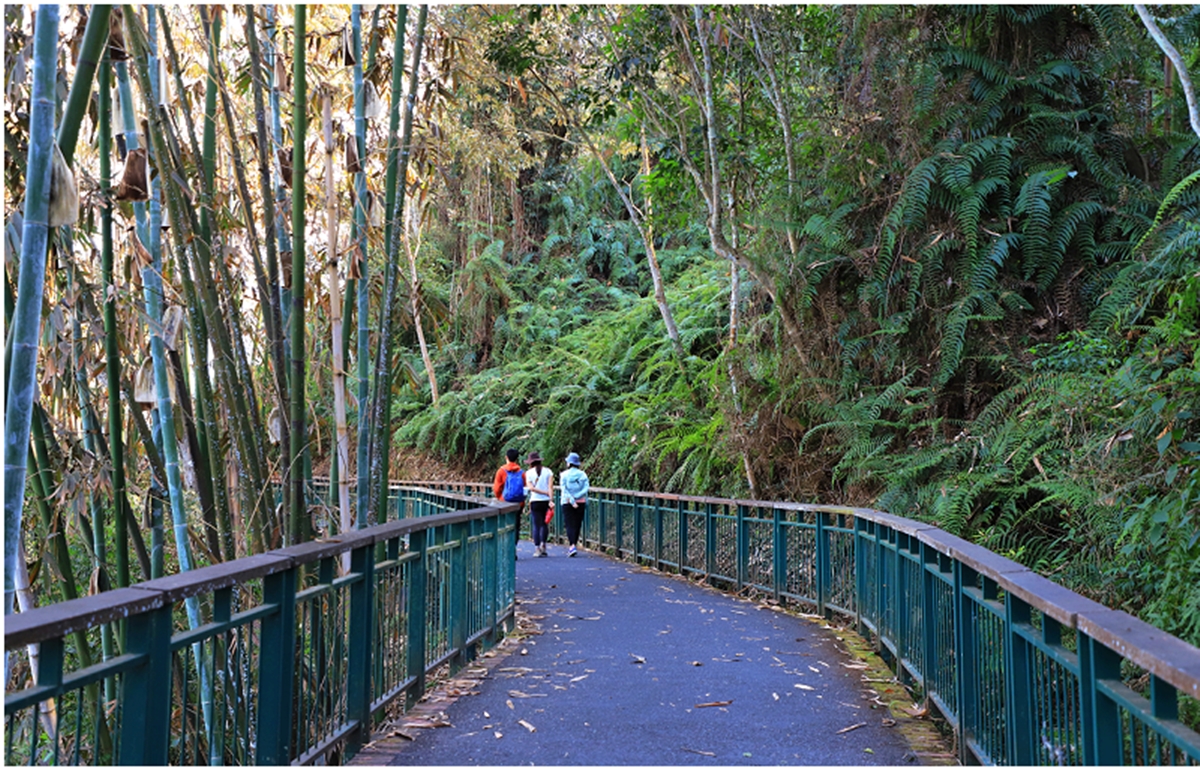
[[301, 649], [1024, 670]]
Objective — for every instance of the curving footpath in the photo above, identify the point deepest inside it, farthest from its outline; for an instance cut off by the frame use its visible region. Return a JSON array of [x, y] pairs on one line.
[[633, 667]]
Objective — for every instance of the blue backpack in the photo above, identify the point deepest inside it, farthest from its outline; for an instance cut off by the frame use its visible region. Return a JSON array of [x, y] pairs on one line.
[[514, 486]]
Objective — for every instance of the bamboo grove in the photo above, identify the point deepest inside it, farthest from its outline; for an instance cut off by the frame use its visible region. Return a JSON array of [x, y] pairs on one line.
[[938, 260]]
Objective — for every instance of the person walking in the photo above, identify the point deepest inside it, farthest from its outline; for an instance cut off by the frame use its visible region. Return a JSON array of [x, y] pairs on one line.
[[509, 485], [539, 481], [574, 499]]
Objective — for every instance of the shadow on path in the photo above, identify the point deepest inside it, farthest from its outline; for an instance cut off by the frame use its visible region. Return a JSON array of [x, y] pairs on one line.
[[633, 667]]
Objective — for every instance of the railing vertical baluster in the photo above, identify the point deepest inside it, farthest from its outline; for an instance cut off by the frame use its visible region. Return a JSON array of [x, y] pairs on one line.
[[658, 534], [1101, 722], [710, 540], [359, 664], [491, 579], [742, 557], [276, 669], [1019, 712], [146, 695], [417, 577]]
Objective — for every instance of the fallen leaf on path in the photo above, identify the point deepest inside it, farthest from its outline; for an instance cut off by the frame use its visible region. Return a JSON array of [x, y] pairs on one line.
[[814, 669], [776, 696], [509, 703], [916, 711], [637, 659], [714, 704], [485, 714], [888, 722], [696, 663], [531, 729], [499, 735], [804, 687], [577, 679], [401, 735], [523, 695], [855, 666], [699, 752], [850, 728], [524, 651], [868, 750]]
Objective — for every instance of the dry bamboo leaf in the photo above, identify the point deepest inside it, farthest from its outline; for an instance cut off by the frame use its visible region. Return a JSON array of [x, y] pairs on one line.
[[850, 728], [714, 704], [705, 753], [523, 695], [804, 687], [528, 727]]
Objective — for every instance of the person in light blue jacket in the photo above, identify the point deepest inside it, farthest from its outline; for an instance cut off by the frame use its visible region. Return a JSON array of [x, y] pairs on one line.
[[575, 488]]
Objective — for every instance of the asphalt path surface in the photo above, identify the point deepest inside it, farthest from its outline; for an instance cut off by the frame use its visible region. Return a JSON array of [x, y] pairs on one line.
[[634, 667]]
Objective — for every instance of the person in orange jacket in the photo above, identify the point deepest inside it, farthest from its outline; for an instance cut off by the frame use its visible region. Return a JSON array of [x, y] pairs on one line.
[[509, 485]]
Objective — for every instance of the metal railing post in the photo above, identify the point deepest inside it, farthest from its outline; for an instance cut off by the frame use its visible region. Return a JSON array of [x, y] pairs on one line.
[[823, 568], [1018, 682], [459, 533], [658, 534], [491, 580], [929, 563], [418, 574], [743, 548], [683, 538], [779, 566], [966, 653], [710, 541], [277, 670], [146, 698], [1101, 719], [360, 637]]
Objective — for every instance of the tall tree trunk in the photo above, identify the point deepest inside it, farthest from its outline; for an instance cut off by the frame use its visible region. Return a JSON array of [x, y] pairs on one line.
[[299, 528], [22, 377]]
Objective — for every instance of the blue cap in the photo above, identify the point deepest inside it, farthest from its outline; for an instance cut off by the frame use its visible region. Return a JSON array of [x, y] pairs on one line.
[[573, 459]]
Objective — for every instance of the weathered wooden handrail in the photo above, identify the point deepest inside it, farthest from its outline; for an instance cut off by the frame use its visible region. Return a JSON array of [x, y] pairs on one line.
[[420, 593]]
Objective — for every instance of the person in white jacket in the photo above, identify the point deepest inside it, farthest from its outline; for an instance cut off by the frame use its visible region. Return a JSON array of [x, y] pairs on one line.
[[574, 499], [539, 482]]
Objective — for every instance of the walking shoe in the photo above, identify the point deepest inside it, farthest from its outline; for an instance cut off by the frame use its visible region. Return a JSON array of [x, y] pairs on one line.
[[572, 552], [542, 551]]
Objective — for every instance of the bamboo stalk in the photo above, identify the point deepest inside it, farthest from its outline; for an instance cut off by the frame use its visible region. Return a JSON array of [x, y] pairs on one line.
[[112, 364], [275, 331], [360, 236], [95, 39], [27, 316], [298, 530], [381, 416], [342, 458]]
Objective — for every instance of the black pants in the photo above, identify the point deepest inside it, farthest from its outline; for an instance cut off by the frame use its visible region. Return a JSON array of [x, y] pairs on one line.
[[537, 521], [574, 518]]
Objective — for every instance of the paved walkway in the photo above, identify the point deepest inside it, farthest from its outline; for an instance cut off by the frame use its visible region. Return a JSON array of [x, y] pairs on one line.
[[634, 667]]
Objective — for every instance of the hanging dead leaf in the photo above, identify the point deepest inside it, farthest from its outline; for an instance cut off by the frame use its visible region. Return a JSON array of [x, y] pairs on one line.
[[353, 165], [116, 35], [285, 164], [135, 179], [172, 324]]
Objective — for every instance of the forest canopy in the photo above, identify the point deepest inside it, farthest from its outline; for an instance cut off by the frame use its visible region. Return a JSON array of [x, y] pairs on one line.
[[938, 260]]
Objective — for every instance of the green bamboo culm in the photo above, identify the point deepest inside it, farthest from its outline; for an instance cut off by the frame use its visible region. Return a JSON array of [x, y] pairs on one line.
[[359, 233], [95, 39], [381, 412], [22, 375], [112, 354], [298, 531]]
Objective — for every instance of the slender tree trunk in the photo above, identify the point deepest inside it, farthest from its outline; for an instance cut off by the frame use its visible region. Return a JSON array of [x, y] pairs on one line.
[[342, 456], [47, 710], [22, 377], [299, 527], [1185, 80]]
